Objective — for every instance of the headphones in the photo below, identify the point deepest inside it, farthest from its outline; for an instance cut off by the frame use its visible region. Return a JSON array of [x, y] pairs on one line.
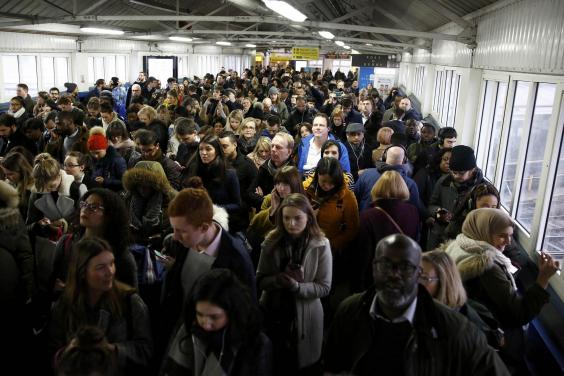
[[385, 154], [441, 134]]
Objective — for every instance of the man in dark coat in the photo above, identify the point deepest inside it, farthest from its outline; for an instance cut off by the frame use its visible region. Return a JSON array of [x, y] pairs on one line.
[[198, 245], [13, 136], [300, 114], [396, 328], [22, 91]]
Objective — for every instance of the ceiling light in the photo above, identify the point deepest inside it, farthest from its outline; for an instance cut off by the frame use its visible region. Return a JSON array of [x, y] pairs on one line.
[[250, 45], [223, 43], [286, 10], [346, 47], [99, 30], [339, 43], [326, 34], [180, 39], [369, 44], [355, 52]]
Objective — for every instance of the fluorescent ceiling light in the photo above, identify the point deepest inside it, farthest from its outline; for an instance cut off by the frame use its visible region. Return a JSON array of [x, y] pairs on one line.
[[99, 30], [250, 45], [326, 34], [339, 43], [223, 43], [180, 39], [346, 47], [355, 52], [369, 44], [286, 10]]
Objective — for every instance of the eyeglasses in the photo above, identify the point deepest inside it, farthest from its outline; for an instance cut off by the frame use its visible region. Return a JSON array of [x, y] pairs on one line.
[[386, 266], [92, 208], [427, 280]]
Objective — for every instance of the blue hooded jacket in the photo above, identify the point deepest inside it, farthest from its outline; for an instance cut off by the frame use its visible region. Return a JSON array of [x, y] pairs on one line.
[[304, 150]]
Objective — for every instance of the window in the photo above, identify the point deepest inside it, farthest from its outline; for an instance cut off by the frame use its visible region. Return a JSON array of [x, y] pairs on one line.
[[516, 133], [535, 154], [344, 65], [435, 97], [19, 69], [54, 72], [418, 84], [107, 67], [553, 241], [315, 64], [491, 126], [445, 98], [452, 104]]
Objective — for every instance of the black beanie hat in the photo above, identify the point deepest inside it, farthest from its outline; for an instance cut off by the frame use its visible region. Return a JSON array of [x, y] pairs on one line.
[[462, 158]]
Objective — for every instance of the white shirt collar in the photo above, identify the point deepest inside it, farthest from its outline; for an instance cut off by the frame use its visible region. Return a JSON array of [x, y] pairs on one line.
[[407, 315]]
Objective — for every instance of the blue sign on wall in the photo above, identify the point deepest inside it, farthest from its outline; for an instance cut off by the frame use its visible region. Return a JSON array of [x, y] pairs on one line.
[[365, 76]]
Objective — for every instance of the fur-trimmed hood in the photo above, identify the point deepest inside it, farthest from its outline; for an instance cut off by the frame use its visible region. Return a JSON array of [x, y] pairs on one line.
[[9, 213], [221, 216], [472, 257]]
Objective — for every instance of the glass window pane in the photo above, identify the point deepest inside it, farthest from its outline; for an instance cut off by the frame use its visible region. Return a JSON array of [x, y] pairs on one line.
[[28, 72], [98, 69], [91, 70], [485, 123], [436, 91], [496, 130], [535, 154], [554, 232], [441, 92], [516, 131], [109, 68], [11, 76], [453, 101], [121, 68], [61, 71], [47, 73], [446, 98]]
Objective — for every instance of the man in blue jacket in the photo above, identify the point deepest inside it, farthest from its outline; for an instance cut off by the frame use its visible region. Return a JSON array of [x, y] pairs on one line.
[[309, 151]]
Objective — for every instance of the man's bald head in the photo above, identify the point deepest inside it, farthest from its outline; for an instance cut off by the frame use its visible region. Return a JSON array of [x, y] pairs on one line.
[[400, 244], [395, 155]]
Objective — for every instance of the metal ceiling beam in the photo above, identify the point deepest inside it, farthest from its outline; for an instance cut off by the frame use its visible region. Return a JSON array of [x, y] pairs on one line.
[[159, 6], [216, 10], [444, 11], [267, 20], [93, 6], [350, 15], [301, 42]]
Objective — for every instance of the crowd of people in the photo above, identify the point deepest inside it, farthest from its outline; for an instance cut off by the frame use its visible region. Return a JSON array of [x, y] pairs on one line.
[[270, 223]]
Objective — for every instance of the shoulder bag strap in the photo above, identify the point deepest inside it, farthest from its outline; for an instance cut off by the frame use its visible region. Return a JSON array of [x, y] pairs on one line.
[[390, 219]]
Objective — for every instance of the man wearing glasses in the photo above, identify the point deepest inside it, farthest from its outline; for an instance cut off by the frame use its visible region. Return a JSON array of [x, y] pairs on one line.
[[396, 328]]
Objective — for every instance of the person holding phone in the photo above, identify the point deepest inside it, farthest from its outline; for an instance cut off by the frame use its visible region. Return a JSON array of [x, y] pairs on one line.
[[294, 272]]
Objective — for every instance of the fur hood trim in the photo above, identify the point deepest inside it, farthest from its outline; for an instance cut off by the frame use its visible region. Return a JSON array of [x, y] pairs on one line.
[[472, 257], [9, 195], [221, 216]]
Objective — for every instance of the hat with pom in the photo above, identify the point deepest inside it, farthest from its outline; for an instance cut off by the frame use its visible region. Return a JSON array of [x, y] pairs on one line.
[[97, 139]]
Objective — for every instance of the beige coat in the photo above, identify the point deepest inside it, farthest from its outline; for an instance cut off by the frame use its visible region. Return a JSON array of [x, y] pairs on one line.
[[317, 266]]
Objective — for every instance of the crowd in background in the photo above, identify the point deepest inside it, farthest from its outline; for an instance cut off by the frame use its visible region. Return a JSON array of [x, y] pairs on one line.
[[269, 223]]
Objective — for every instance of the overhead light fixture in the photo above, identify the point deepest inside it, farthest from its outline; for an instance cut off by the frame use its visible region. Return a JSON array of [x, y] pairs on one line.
[[250, 45], [369, 44], [223, 43], [339, 43], [100, 30], [326, 34], [346, 47], [286, 10], [355, 52], [180, 39]]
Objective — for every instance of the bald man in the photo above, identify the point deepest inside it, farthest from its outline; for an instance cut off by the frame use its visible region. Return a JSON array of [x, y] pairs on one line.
[[396, 328], [394, 159]]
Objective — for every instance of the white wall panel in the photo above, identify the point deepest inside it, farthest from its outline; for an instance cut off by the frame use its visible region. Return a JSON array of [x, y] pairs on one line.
[[421, 56], [22, 42], [524, 36], [451, 53]]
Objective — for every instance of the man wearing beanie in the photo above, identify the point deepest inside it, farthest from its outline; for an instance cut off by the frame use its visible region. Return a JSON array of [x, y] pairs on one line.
[[450, 192], [109, 165]]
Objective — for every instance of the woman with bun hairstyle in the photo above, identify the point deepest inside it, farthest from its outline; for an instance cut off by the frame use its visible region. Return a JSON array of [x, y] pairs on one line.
[[109, 166]]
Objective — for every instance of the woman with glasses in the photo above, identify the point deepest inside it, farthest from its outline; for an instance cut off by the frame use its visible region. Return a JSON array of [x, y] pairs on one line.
[[294, 272], [94, 296], [78, 165], [247, 136], [489, 277], [441, 279], [102, 214]]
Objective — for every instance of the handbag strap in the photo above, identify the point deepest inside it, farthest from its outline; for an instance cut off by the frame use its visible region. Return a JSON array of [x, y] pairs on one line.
[[390, 219]]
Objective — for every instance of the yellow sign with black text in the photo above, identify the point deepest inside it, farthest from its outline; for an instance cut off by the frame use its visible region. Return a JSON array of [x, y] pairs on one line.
[[305, 53]]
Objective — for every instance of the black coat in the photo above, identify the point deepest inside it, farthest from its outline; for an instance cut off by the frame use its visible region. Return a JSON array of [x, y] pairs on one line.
[[442, 342]]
